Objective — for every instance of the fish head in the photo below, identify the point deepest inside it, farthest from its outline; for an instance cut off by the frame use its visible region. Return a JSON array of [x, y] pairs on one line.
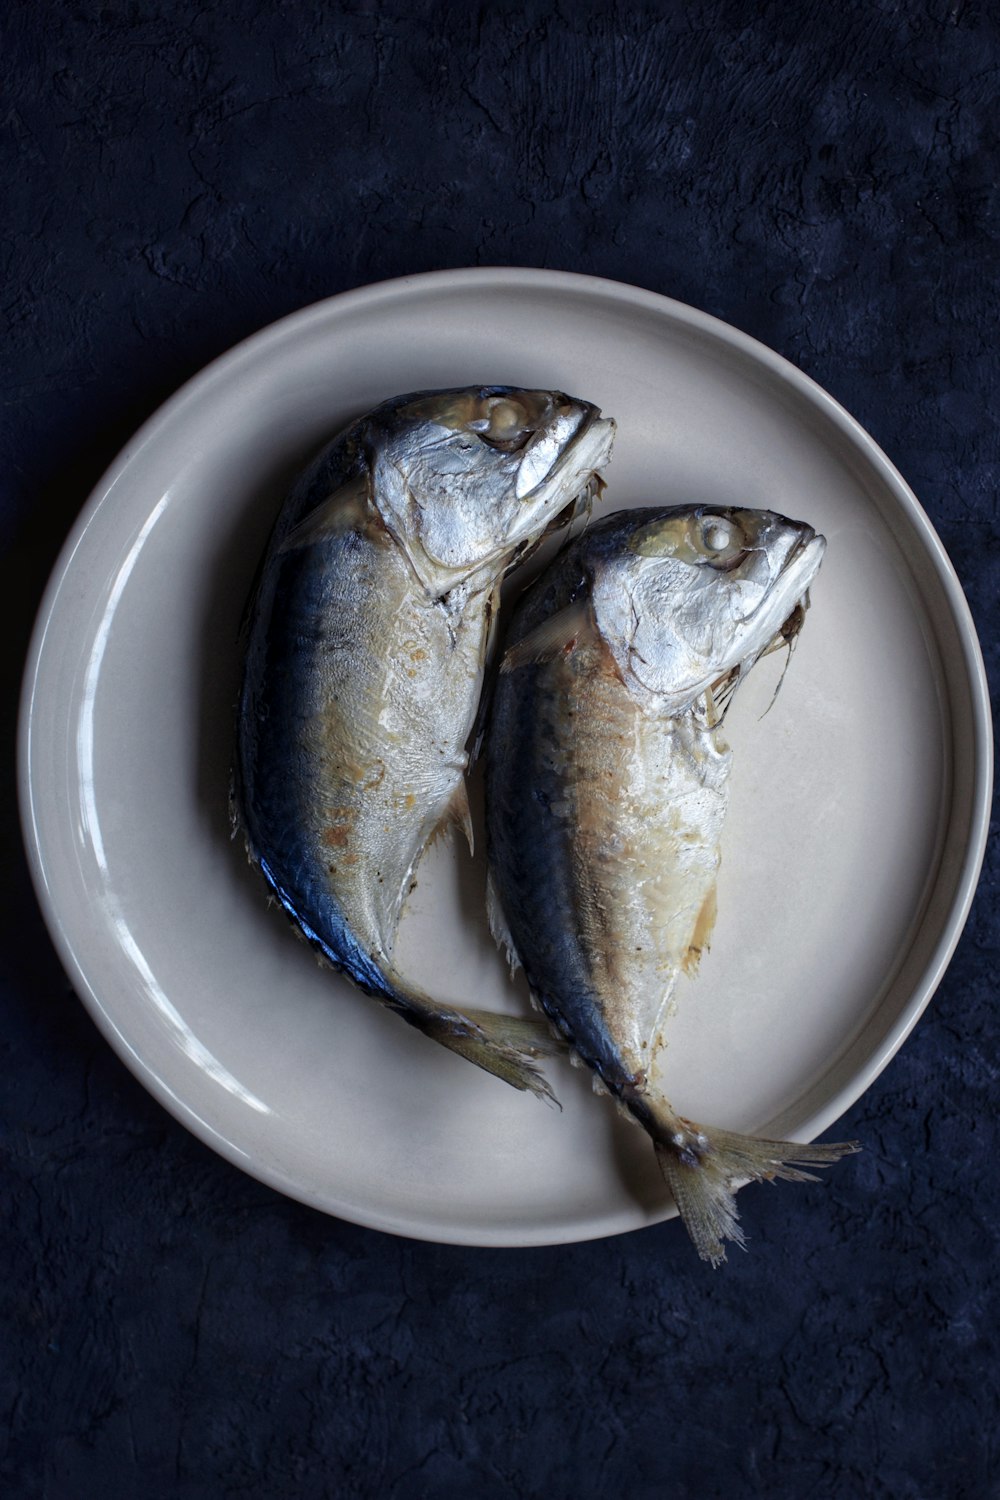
[[468, 479], [695, 596]]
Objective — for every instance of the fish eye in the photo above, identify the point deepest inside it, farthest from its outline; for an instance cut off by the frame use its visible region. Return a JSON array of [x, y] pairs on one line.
[[720, 541], [693, 538], [504, 424], [507, 418], [716, 535]]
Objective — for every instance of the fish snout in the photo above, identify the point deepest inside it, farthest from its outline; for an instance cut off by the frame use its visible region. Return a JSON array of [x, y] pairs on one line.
[[804, 559], [564, 453]]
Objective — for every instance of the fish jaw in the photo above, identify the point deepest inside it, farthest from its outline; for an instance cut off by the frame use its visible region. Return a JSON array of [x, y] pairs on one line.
[[789, 595], [567, 476]]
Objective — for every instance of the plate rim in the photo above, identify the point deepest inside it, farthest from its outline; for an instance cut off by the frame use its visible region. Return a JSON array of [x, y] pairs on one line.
[[513, 278]]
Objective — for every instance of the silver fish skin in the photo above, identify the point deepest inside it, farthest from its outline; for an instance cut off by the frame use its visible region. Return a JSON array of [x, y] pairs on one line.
[[368, 631], [607, 784]]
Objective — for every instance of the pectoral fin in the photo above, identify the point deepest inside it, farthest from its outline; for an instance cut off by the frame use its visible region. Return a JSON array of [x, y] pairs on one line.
[[702, 934], [486, 696], [553, 637], [457, 815], [345, 510]]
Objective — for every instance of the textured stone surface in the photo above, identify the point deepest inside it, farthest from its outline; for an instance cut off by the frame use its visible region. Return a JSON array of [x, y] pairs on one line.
[[178, 176]]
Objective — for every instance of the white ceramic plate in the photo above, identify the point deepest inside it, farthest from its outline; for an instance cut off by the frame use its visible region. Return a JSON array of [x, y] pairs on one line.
[[859, 805]]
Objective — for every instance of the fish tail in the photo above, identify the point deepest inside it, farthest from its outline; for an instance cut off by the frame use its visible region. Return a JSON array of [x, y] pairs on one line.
[[703, 1168], [506, 1046]]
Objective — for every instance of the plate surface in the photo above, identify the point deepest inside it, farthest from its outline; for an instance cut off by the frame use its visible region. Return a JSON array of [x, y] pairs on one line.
[[858, 814]]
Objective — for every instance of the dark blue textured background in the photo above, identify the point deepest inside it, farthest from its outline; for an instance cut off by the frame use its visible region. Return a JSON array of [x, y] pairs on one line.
[[176, 177]]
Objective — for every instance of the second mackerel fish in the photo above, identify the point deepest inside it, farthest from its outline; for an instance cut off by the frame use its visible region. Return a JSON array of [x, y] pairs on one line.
[[607, 783]]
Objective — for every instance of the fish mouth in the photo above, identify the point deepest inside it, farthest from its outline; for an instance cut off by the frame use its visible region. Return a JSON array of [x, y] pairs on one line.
[[793, 583], [810, 561], [801, 567], [565, 496]]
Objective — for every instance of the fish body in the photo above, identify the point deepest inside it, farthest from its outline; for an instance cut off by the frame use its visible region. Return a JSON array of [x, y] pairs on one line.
[[607, 786], [368, 635]]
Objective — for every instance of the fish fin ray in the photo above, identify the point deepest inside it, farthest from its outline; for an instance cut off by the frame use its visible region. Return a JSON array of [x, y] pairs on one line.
[[702, 935], [509, 1047], [553, 637], [531, 1034], [482, 719], [461, 814], [498, 925], [457, 814], [506, 1046], [703, 1167]]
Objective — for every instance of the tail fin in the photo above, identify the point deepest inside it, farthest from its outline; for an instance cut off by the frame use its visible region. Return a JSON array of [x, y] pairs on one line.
[[506, 1046], [703, 1168]]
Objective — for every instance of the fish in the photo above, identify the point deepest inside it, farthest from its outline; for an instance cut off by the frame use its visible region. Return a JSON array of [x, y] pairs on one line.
[[367, 633], [607, 777]]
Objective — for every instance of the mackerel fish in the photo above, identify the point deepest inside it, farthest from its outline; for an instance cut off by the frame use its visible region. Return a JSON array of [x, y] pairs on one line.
[[367, 636], [607, 784]]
